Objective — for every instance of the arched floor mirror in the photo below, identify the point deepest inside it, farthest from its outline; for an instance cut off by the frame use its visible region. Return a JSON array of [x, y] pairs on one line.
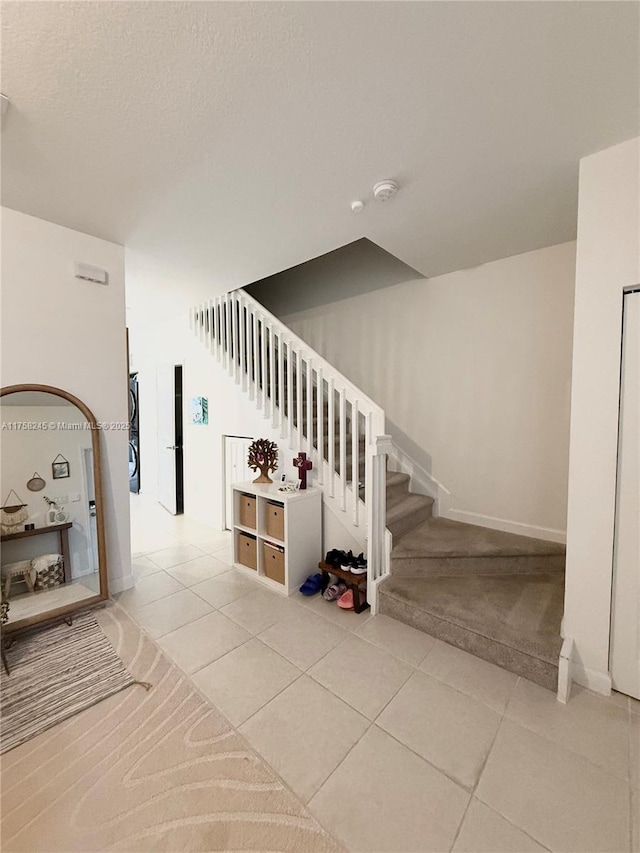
[[51, 518]]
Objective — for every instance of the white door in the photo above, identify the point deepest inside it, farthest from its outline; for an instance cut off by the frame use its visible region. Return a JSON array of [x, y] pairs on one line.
[[169, 432], [625, 611], [90, 509], [236, 470]]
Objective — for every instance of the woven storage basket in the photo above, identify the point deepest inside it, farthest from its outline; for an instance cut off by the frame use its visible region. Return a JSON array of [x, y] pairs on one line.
[[49, 571]]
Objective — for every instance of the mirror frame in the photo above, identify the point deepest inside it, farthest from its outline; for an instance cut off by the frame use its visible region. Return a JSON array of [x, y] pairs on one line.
[[103, 595]]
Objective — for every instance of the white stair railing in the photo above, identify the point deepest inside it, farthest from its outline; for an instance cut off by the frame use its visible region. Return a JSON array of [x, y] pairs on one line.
[[312, 406]]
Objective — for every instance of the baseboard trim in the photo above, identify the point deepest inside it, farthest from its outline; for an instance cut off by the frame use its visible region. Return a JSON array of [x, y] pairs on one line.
[[121, 584], [504, 524], [422, 482], [564, 670], [599, 682]]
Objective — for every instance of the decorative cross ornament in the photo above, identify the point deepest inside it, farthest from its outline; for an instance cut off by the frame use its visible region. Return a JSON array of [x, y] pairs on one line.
[[303, 465]]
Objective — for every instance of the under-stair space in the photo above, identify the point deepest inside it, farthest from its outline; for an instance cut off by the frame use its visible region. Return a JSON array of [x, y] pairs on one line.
[[496, 595]]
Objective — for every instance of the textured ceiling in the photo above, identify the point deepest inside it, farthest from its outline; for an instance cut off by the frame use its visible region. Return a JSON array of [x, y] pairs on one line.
[[223, 142]]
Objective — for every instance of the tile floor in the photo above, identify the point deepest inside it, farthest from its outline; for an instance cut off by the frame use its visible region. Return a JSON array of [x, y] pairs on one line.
[[395, 740]]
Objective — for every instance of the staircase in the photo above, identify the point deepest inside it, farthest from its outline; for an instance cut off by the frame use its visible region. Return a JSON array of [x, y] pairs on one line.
[[308, 404], [494, 594]]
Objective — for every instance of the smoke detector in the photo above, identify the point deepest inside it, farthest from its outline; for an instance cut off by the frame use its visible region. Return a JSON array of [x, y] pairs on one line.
[[357, 206], [384, 190]]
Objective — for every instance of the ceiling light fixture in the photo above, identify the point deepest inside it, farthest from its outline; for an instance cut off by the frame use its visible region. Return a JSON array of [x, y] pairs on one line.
[[384, 190]]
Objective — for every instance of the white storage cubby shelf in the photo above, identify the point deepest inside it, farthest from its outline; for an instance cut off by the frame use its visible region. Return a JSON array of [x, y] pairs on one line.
[[277, 536]]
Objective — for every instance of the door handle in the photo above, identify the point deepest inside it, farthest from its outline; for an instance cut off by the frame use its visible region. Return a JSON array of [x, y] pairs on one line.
[[172, 447]]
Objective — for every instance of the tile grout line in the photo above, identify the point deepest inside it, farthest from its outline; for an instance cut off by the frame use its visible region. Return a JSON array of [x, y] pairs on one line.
[[574, 752], [547, 740], [481, 771], [480, 774]]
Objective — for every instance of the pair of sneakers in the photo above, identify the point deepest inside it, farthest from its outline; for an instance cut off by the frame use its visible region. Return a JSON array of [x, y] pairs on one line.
[[354, 565], [346, 561]]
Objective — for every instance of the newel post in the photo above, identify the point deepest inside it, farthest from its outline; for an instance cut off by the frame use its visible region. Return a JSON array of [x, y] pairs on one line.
[[376, 502]]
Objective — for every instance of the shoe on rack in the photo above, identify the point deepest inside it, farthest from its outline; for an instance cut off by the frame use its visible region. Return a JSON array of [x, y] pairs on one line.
[[358, 565], [335, 558], [336, 590], [347, 561], [346, 601]]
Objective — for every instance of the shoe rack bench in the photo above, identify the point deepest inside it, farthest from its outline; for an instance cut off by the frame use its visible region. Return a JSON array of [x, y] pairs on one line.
[[277, 536], [351, 580]]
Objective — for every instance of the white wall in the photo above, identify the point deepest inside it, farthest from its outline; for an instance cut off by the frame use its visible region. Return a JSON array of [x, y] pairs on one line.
[[158, 320], [473, 371], [608, 260], [160, 334], [58, 330]]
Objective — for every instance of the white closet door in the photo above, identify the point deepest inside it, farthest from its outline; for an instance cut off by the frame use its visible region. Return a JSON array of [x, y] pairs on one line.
[[625, 611]]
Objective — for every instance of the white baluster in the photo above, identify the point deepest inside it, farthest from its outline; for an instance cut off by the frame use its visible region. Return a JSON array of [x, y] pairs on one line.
[[331, 436], [227, 337], [218, 325], [254, 355], [233, 348], [290, 393], [283, 426], [343, 450], [272, 372], [244, 360], [368, 469], [212, 315], [263, 367], [355, 459], [309, 408], [206, 325], [320, 419], [299, 397]]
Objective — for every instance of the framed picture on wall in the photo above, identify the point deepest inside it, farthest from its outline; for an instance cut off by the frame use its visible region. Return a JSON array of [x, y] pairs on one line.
[[60, 467], [199, 410]]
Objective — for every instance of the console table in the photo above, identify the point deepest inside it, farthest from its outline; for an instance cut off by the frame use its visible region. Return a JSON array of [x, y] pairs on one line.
[[61, 529]]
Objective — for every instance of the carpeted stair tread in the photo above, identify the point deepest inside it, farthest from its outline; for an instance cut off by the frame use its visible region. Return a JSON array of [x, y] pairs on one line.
[[441, 537], [511, 620], [397, 485], [396, 478], [407, 511]]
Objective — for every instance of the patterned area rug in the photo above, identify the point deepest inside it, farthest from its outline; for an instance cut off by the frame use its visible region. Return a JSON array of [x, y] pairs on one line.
[[149, 771], [56, 672]]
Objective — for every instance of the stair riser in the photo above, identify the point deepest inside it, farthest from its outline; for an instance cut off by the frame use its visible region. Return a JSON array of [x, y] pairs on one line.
[[421, 567], [398, 490], [536, 670], [409, 521]]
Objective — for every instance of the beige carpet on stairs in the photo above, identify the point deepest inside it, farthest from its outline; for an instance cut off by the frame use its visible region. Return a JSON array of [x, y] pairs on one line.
[[148, 771]]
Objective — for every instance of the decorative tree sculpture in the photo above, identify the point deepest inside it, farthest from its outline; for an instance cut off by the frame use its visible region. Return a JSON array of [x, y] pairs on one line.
[[263, 457]]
